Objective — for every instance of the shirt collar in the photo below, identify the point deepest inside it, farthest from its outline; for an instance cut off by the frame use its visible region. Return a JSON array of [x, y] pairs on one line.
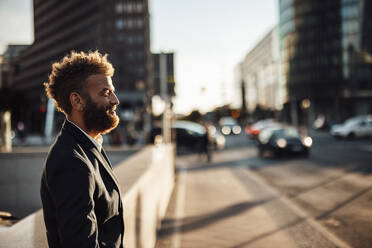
[[96, 144]]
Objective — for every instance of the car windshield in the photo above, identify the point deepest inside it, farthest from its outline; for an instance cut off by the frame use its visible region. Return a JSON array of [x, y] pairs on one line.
[[262, 123], [227, 121], [352, 121], [286, 133], [190, 126]]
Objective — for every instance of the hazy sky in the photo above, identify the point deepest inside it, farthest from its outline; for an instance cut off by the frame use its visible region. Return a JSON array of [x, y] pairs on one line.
[[16, 22], [208, 37]]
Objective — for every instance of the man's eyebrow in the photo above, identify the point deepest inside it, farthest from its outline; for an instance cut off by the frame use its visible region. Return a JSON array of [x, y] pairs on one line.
[[108, 88]]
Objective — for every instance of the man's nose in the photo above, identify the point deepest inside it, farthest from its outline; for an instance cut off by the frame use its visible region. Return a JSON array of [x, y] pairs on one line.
[[114, 99]]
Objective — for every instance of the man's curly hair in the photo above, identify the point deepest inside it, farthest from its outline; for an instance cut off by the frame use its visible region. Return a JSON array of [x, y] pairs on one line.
[[69, 75]]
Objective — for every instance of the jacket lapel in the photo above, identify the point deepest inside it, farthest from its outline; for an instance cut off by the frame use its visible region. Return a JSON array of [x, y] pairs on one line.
[[105, 165], [106, 157], [84, 140]]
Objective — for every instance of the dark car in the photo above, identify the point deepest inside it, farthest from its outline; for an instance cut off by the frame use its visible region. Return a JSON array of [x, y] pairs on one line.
[[189, 136], [283, 140]]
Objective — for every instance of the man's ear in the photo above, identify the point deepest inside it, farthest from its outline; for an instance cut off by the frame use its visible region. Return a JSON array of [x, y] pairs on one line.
[[77, 101]]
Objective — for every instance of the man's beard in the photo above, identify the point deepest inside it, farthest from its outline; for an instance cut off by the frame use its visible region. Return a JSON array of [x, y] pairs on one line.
[[99, 119]]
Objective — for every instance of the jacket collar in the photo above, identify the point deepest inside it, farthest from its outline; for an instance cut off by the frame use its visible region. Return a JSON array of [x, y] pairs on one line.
[[77, 134], [99, 146]]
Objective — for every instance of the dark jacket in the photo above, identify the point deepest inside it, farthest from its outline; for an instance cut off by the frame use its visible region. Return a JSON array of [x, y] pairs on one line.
[[81, 197]]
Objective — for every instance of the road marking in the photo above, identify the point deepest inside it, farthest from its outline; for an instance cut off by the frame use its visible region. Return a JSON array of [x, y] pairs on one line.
[[301, 213], [180, 205]]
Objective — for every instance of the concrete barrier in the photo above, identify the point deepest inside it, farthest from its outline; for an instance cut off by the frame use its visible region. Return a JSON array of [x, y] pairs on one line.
[[20, 182], [147, 180], [20, 173]]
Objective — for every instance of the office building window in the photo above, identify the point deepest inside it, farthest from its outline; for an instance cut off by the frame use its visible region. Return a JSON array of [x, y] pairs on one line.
[[120, 37], [140, 71], [119, 7], [140, 23], [128, 7], [139, 7], [130, 39], [119, 24], [130, 23], [351, 11], [108, 24], [107, 8], [130, 55], [140, 54], [349, 1], [350, 26], [284, 3], [140, 39]]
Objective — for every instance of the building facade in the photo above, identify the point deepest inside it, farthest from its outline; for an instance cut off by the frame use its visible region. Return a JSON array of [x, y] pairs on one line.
[[168, 59], [356, 29], [9, 98], [260, 75], [118, 27], [8, 65], [321, 47]]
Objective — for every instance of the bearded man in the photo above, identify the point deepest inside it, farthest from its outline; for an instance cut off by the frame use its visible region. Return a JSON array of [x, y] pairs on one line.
[[81, 197]]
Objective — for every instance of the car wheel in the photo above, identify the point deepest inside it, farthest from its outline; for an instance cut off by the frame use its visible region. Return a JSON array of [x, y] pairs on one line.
[[351, 136], [306, 153], [260, 153]]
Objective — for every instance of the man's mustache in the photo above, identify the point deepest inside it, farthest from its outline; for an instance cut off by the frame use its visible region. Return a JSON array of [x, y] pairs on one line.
[[111, 108]]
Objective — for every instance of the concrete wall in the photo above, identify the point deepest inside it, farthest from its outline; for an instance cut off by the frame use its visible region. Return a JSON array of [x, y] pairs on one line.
[[147, 180], [146, 201], [20, 178], [20, 182]]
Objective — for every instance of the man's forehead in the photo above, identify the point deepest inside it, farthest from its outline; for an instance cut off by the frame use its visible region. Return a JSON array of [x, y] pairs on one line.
[[99, 80]]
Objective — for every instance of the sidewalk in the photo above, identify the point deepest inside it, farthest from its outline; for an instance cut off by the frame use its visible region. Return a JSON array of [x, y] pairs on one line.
[[221, 205]]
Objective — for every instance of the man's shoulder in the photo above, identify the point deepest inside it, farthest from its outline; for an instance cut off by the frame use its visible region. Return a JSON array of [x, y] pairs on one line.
[[64, 144], [64, 151]]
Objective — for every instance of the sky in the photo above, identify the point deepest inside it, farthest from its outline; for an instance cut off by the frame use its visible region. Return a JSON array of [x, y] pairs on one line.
[[209, 38]]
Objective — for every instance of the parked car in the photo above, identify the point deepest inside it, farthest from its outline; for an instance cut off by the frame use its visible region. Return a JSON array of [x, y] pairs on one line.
[[283, 140], [254, 130], [356, 127], [189, 136], [229, 126]]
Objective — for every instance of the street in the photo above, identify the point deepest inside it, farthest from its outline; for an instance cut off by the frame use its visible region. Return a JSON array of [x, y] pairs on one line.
[[321, 201], [332, 186]]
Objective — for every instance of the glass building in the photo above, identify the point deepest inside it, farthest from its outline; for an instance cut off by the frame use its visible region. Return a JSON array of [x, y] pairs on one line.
[[325, 50]]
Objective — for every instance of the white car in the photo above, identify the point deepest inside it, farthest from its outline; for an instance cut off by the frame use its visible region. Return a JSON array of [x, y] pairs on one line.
[[359, 126]]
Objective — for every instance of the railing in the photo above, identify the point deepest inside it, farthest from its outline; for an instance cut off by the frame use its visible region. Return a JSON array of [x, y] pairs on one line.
[[147, 180]]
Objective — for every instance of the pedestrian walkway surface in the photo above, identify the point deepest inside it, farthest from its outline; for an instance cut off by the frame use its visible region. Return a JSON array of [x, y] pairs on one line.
[[221, 205]]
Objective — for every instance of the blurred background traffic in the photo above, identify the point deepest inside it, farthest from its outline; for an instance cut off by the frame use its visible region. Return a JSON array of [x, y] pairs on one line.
[[312, 69]]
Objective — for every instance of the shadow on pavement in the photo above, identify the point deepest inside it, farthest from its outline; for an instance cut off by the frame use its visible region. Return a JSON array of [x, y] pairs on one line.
[[249, 162], [173, 226], [267, 234], [170, 226]]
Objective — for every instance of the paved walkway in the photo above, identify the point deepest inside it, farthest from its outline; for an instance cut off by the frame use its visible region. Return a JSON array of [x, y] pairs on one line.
[[224, 204]]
